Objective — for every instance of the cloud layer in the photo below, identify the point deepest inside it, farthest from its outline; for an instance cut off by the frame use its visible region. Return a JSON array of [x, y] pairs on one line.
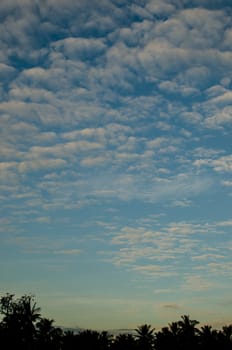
[[115, 142]]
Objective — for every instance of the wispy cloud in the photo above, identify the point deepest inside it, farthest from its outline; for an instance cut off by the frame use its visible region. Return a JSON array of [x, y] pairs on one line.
[[69, 252]]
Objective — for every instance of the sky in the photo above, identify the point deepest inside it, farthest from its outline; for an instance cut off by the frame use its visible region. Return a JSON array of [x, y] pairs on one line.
[[116, 159]]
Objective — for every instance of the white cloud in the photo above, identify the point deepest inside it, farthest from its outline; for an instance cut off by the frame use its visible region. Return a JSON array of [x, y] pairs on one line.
[[148, 269], [207, 257], [222, 117], [33, 94], [205, 26], [110, 111], [227, 39], [94, 161], [225, 223], [156, 143], [43, 219], [221, 164], [87, 132], [227, 183], [82, 48], [7, 165], [159, 7], [182, 203], [40, 164], [215, 91], [197, 283], [6, 71], [68, 252]]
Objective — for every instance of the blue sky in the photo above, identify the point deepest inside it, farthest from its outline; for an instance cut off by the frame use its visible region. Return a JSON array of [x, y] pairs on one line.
[[115, 167]]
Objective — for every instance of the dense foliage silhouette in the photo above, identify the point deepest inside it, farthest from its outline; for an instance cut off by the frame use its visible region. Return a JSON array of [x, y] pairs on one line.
[[23, 328]]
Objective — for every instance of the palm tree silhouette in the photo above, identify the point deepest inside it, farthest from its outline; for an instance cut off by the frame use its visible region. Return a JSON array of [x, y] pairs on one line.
[[145, 336], [188, 332], [208, 338], [48, 336]]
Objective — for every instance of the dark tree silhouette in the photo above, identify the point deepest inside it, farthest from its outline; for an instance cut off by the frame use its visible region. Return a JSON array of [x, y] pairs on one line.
[[225, 338], [105, 340], [164, 339], [48, 336], [69, 341], [93, 340], [168, 337], [23, 328], [18, 323], [188, 333], [208, 338], [124, 342], [145, 337]]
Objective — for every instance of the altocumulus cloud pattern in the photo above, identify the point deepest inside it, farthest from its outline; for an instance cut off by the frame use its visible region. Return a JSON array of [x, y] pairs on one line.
[[115, 167]]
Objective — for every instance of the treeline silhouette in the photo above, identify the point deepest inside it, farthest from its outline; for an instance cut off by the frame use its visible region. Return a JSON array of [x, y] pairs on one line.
[[23, 328]]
